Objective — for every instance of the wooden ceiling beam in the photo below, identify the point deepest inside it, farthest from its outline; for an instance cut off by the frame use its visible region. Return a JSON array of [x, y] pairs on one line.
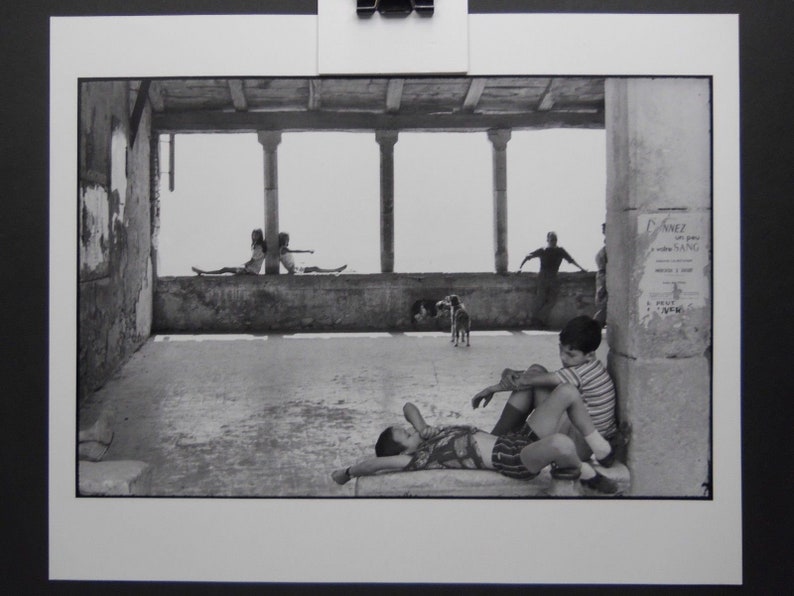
[[394, 95], [473, 95], [547, 99], [156, 97], [238, 95], [204, 122], [315, 94]]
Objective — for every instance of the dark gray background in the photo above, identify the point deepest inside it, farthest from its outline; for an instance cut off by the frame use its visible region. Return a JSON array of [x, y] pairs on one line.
[[767, 190]]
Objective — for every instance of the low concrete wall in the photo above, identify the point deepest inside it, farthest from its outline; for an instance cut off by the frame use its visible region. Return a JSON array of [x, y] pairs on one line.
[[262, 303]]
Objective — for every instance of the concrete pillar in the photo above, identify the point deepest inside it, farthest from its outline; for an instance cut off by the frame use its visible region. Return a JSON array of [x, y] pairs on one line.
[[659, 278], [171, 161], [386, 139], [270, 141], [499, 140]]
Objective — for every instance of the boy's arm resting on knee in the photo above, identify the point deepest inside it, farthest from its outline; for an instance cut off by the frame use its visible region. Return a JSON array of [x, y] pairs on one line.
[[530, 380], [485, 395], [509, 372], [371, 466]]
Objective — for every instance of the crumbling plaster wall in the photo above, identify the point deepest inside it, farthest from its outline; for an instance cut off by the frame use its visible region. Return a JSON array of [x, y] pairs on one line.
[[114, 244]]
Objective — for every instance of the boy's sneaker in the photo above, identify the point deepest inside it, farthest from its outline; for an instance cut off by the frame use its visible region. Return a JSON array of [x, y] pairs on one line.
[[616, 442], [602, 484], [608, 460]]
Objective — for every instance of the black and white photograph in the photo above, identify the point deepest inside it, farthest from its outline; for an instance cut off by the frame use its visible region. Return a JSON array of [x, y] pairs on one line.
[[426, 246], [295, 298]]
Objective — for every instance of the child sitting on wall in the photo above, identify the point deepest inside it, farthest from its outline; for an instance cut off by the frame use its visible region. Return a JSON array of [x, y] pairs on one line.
[[285, 256]]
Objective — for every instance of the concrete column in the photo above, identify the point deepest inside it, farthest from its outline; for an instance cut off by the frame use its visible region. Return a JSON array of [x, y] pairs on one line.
[[386, 139], [659, 278], [270, 141], [499, 139]]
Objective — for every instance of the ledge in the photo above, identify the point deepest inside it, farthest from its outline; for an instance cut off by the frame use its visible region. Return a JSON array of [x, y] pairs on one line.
[[481, 483], [114, 478], [353, 302]]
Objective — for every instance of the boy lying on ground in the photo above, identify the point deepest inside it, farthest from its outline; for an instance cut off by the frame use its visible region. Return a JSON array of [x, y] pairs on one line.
[[522, 454]]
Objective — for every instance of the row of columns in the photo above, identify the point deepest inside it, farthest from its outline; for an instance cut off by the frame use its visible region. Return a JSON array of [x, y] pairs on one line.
[[386, 140]]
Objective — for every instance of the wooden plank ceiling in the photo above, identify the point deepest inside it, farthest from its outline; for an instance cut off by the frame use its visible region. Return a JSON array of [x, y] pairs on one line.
[[361, 103]]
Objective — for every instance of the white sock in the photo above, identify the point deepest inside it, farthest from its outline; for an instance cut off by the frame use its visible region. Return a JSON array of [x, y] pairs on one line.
[[598, 444], [587, 472]]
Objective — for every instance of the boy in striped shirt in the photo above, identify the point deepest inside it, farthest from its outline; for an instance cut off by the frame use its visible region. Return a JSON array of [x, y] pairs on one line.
[[582, 375]]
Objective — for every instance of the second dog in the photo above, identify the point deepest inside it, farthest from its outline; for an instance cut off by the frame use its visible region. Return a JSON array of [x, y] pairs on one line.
[[460, 321]]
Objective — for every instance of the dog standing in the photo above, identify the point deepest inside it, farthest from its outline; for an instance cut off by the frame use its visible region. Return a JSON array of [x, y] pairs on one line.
[[460, 321], [462, 325]]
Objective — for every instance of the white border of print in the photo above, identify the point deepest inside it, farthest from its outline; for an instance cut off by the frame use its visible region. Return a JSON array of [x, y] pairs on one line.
[[378, 540]]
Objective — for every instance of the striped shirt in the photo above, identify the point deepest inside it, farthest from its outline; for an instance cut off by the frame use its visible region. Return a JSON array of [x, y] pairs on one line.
[[598, 393]]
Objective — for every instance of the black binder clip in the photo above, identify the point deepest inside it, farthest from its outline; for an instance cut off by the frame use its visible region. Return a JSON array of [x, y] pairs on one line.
[[366, 8]]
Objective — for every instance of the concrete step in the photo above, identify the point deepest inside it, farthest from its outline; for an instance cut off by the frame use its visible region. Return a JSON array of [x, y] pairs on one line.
[[114, 478], [481, 483]]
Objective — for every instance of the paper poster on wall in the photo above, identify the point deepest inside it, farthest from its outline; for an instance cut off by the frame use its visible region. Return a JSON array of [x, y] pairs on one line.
[[676, 274]]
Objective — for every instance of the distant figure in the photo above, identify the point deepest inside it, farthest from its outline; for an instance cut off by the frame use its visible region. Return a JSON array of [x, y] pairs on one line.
[[285, 256], [601, 283], [551, 257], [251, 267]]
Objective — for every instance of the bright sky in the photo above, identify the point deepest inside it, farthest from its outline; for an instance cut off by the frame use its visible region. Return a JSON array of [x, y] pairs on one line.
[[329, 199]]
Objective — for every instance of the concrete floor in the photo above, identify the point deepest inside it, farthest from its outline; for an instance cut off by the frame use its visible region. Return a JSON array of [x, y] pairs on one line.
[[272, 416]]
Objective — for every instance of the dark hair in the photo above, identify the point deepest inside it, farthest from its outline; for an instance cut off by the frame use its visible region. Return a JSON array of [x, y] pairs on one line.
[[581, 333], [386, 444], [283, 239], [260, 241]]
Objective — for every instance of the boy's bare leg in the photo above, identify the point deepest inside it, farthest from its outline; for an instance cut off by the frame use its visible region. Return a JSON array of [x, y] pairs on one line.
[[557, 449], [545, 418], [570, 430], [519, 405], [514, 413], [566, 428]]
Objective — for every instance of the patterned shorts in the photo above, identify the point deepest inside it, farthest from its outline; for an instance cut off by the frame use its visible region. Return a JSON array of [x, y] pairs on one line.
[[506, 455]]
